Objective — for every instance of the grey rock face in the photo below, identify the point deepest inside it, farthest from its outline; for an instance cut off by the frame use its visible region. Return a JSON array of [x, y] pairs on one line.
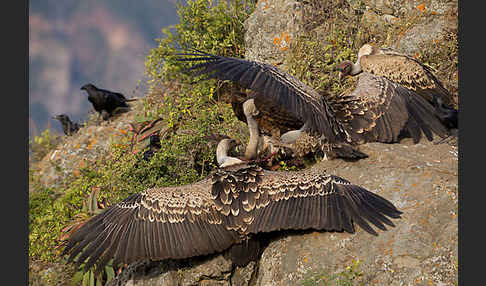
[[271, 28], [400, 8], [421, 180]]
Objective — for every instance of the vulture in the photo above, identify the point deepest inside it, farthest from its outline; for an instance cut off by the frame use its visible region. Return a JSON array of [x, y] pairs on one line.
[[377, 110], [408, 72], [68, 126], [106, 103], [232, 205]]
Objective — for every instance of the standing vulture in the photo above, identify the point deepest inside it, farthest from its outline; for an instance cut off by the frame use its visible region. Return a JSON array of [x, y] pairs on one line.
[[377, 110], [408, 72], [68, 126], [230, 206], [105, 102]]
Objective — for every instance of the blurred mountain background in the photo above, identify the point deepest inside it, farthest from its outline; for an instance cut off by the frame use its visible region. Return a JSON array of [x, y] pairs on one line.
[[72, 43]]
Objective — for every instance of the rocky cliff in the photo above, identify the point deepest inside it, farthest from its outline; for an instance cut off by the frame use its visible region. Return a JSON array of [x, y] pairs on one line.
[[420, 179]]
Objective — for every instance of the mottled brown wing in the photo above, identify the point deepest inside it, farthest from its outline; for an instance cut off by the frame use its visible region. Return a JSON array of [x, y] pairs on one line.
[[236, 193], [262, 201], [406, 71], [313, 199], [273, 117], [277, 86], [160, 223], [380, 110]]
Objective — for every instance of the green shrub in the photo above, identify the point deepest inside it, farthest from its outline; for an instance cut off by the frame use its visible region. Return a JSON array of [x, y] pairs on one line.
[[193, 110], [39, 146], [349, 277]]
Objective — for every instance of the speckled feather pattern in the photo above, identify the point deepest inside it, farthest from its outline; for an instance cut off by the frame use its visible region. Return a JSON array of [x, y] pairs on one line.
[[222, 210], [404, 70]]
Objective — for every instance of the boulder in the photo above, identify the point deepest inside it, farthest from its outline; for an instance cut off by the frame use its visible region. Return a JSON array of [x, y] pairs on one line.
[[271, 28]]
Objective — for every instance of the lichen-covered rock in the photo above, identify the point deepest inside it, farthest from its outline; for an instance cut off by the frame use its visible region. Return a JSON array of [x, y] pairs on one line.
[[400, 8], [421, 21], [421, 180], [430, 29], [89, 144], [209, 271], [271, 28]]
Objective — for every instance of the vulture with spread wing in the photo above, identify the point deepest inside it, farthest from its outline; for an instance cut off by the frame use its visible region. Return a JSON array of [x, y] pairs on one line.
[[236, 202], [408, 72], [377, 110]]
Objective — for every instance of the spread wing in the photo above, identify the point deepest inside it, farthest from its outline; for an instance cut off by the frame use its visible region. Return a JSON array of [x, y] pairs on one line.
[[161, 223], [261, 201], [300, 100], [380, 110]]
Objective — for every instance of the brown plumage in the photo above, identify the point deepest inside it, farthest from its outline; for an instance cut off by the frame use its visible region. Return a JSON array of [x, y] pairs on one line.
[[405, 70], [408, 72], [383, 111], [377, 110], [222, 210], [276, 90]]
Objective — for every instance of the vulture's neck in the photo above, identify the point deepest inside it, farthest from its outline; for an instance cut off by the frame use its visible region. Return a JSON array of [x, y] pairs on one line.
[[222, 154], [252, 147], [356, 68]]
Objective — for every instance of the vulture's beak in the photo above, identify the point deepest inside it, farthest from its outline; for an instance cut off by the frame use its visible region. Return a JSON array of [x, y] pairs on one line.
[[55, 117], [341, 77]]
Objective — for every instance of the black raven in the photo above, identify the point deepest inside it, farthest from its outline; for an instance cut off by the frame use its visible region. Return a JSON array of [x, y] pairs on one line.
[[154, 146], [68, 126], [105, 102]]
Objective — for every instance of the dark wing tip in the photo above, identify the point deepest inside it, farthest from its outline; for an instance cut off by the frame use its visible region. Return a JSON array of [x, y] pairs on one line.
[[365, 207]]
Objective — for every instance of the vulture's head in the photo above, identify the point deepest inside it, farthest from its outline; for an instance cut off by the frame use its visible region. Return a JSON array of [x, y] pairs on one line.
[[344, 69], [229, 143], [222, 157]]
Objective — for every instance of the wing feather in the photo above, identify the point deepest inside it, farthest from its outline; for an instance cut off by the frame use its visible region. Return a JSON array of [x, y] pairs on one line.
[[381, 110], [175, 222], [302, 200], [300, 100]]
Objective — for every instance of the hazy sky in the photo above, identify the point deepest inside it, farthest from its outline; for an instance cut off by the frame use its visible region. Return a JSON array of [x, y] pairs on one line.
[[72, 43]]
